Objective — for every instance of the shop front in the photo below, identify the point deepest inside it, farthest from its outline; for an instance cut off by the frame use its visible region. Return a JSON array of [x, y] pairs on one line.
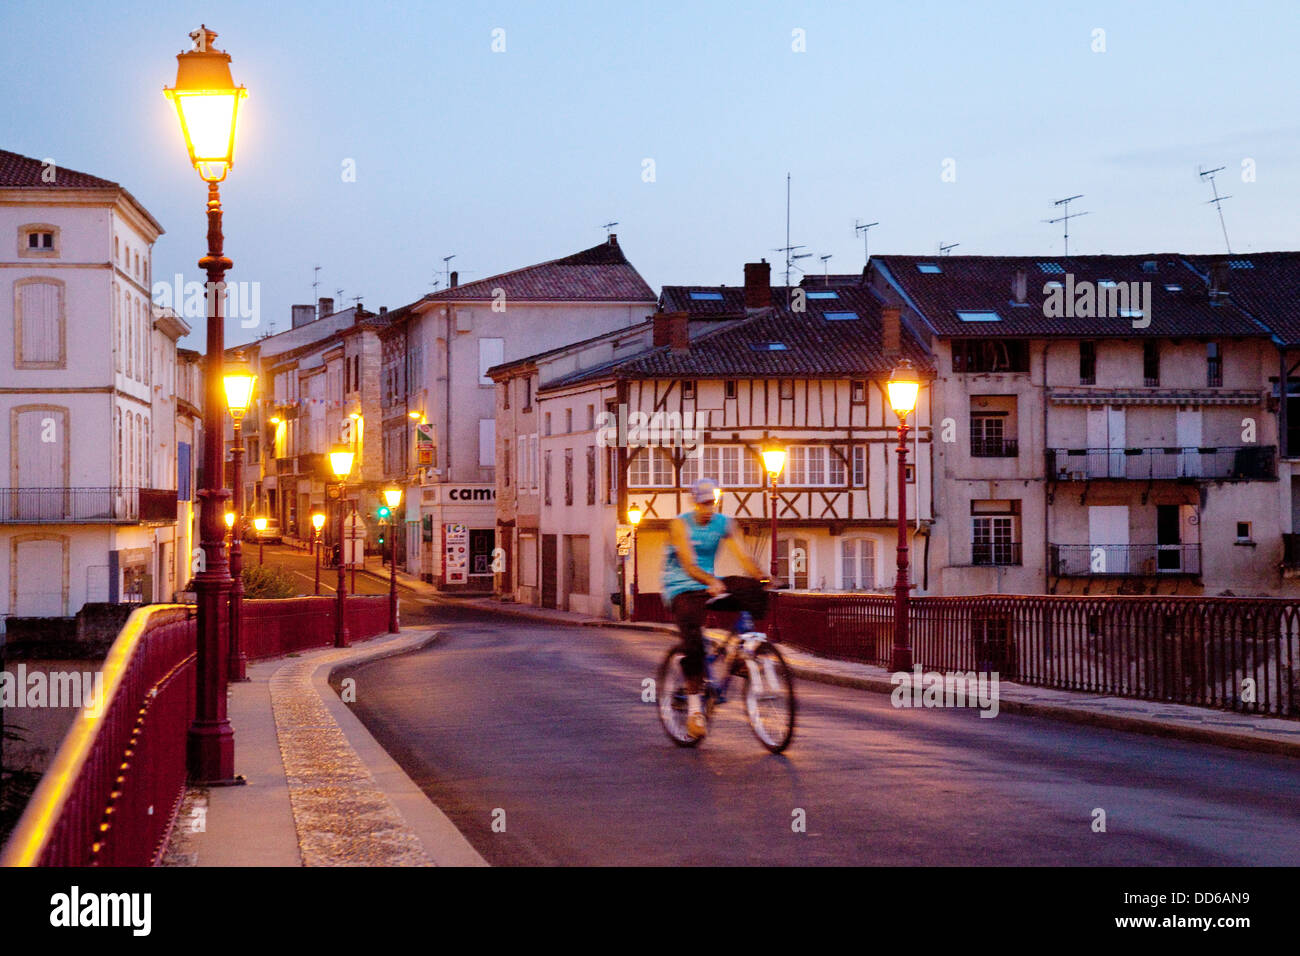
[[458, 525]]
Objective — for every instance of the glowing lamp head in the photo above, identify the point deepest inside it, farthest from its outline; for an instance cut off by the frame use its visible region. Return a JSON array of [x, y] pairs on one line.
[[318, 521], [393, 496], [239, 381], [903, 387], [414, 416], [355, 416], [773, 459], [341, 461], [274, 420], [634, 516], [207, 103], [259, 524], [230, 519]]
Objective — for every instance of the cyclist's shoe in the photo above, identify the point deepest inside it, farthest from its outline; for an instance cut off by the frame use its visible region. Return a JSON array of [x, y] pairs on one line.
[[696, 726]]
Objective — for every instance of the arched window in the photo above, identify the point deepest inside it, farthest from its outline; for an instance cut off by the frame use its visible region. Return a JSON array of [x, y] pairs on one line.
[[130, 336], [147, 478], [117, 332], [119, 476], [130, 450]]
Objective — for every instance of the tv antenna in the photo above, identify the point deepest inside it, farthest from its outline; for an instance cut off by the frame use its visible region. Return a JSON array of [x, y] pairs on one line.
[[315, 282], [1066, 218], [825, 278], [1217, 200], [861, 227], [945, 249], [608, 227], [446, 269]]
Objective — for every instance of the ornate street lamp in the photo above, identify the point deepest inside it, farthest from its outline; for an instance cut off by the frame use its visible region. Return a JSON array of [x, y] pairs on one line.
[[634, 516], [394, 497], [207, 104], [239, 381], [341, 463], [317, 522], [903, 387], [773, 462]]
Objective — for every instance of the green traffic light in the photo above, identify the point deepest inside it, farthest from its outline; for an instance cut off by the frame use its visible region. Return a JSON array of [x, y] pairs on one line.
[[384, 512]]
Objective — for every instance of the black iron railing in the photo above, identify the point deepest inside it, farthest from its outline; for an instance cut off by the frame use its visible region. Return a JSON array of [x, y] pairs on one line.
[[1140, 560], [995, 448], [1249, 462], [86, 505]]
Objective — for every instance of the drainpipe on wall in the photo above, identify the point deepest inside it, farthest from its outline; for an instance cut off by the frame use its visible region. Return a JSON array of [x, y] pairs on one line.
[[1047, 510]]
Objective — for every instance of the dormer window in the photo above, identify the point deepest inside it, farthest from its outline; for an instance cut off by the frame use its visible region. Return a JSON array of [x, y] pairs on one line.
[[38, 240]]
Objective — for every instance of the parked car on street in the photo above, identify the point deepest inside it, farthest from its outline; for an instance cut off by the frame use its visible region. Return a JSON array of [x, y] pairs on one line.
[[269, 535]]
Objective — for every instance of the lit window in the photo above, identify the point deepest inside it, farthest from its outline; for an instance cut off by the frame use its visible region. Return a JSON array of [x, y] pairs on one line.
[[768, 346], [979, 316], [839, 316], [823, 294], [928, 268], [1173, 287], [707, 296]]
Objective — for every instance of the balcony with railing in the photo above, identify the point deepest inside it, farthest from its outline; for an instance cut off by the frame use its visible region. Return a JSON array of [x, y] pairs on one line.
[[993, 553], [1242, 463], [86, 505], [994, 448], [1132, 560]]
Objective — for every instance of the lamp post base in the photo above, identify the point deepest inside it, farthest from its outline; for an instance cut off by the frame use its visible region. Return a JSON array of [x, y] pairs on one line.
[[210, 753]]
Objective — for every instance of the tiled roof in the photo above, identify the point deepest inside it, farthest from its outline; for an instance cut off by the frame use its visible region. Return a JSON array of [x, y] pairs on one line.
[[1265, 284], [814, 346], [599, 274], [23, 171], [1179, 304]]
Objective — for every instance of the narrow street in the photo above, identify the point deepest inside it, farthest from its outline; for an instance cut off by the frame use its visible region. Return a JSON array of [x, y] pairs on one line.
[[547, 724]]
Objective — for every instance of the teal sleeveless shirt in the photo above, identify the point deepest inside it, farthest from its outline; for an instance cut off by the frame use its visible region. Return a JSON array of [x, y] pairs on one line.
[[704, 542]]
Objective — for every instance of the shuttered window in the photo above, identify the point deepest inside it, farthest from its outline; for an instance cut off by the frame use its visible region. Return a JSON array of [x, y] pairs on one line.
[[39, 324]]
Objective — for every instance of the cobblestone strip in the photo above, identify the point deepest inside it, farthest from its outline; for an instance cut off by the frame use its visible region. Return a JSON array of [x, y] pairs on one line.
[[342, 817]]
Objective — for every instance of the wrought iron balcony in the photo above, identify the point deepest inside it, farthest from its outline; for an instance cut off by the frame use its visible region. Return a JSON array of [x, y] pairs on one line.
[[1249, 462], [1133, 560], [994, 448], [995, 553], [86, 505]]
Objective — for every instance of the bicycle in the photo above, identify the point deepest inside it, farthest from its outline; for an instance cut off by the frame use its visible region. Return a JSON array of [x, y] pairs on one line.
[[769, 696]]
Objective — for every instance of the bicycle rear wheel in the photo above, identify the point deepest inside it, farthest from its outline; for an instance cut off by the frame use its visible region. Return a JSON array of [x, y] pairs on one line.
[[670, 698], [769, 697]]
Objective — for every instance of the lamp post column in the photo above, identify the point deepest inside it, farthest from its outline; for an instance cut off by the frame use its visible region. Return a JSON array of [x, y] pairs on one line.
[[636, 570], [771, 496], [902, 652], [317, 549], [210, 744], [392, 579], [340, 626], [237, 658]]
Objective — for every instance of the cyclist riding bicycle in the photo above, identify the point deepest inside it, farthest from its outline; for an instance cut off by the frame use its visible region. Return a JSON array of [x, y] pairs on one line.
[[689, 584]]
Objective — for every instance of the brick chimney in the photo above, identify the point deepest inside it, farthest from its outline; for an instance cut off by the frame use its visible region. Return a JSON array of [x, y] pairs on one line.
[[670, 329], [324, 307], [1020, 286], [758, 284], [455, 279], [613, 239], [891, 332]]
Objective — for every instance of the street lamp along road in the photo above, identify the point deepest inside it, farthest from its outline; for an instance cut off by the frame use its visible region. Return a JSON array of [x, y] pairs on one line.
[[207, 104], [317, 522], [394, 497], [634, 516], [773, 462], [904, 387], [239, 381], [260, 525], [341, 464]]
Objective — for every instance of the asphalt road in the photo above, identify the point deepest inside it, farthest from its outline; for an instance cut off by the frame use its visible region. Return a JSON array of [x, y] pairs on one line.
[[543, 728]]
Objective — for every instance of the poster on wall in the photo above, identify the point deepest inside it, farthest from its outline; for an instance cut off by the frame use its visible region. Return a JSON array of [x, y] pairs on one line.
[[456, 552]]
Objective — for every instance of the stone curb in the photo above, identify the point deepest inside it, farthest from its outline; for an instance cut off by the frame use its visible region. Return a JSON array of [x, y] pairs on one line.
[[352, 804]]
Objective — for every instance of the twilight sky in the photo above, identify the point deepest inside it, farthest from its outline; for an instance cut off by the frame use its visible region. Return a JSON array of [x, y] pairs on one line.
[[509, 158]]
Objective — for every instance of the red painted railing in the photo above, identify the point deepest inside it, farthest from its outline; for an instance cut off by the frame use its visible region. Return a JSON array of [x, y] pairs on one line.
[[275, 628], [1231, 653], [112, 791]]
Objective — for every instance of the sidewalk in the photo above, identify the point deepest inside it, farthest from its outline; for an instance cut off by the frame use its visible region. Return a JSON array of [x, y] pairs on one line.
[[320, 790], [1274, 735]]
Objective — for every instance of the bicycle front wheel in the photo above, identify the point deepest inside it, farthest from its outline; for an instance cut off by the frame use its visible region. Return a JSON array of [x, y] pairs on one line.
[[670, 698], [769, 697]]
